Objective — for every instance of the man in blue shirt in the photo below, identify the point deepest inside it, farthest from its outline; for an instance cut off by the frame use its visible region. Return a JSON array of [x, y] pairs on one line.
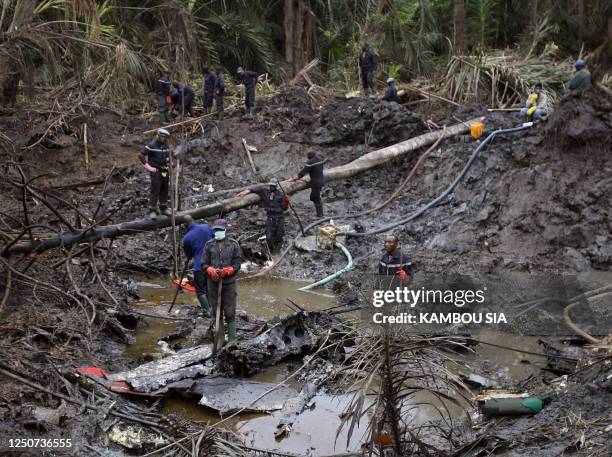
[[193, 244]]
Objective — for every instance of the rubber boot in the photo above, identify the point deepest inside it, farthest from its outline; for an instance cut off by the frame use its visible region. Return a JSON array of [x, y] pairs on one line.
[[319, 208], [153, 213], [231, 333], [166, 211], [163, 117], [366, 92], [221, 115], [204, 306]]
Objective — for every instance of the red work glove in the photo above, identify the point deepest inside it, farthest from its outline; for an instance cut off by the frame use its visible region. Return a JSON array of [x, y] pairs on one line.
[[294, 178], [403, 276], [213, 273], [150, 168], [227, 271]]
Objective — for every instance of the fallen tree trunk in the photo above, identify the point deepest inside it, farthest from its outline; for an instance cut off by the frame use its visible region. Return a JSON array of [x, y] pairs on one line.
[[360, 165]]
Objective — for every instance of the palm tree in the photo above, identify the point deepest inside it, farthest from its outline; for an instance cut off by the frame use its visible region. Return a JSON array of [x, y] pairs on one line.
[[460, 38]]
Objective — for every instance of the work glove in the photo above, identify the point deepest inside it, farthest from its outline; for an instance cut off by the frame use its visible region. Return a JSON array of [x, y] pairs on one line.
[[403, 276], [213, 273], [531, 110], [227, 271], [150, 168], [294, 178]]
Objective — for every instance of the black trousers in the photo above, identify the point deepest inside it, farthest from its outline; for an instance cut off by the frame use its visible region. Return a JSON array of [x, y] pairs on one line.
[[159, 190], [315, 195], [275, 231], [208, 100], [367, 78], [199, 278], [219, 103], [249, 99], [228, 298]]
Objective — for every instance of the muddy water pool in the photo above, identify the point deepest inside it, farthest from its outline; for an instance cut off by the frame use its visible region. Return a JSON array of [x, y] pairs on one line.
[[315, 431]]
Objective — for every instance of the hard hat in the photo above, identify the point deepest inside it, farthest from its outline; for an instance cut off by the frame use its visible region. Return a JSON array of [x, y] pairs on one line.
[[580, 63], [219, 224], [163, 132], [390, 80], [272, 184]]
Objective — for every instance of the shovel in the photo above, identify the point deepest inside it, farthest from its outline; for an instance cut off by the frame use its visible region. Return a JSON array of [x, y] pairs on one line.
[[218, 317]]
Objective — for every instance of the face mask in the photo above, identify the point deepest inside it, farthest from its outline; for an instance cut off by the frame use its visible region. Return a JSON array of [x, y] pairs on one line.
[[219, 235]]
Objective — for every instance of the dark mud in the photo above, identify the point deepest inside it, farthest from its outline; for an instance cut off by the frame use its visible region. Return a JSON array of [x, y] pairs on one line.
[[535, 201]]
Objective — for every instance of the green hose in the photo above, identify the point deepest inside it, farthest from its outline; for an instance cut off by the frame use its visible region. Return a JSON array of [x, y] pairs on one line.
[[330, 278]]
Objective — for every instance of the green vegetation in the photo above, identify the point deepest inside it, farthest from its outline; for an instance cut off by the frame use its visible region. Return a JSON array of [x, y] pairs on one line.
[[111, 47]]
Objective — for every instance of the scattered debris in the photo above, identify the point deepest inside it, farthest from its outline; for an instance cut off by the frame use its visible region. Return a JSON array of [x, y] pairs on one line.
[[133, 436]]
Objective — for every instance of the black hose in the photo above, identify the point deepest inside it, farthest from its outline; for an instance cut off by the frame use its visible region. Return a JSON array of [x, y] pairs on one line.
[[440, 197]]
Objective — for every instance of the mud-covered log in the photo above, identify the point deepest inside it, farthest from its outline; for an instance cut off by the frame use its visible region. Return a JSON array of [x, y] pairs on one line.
[[360, 165]]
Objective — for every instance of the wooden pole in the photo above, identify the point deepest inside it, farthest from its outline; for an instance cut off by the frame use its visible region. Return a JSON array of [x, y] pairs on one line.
[[246, 148], [85, 148]]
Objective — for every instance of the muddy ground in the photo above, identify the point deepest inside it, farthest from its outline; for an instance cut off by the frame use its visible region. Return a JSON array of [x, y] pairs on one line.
[[534, 201]]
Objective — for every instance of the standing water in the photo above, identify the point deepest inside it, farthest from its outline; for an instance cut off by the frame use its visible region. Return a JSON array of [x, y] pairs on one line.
[[315, 431]]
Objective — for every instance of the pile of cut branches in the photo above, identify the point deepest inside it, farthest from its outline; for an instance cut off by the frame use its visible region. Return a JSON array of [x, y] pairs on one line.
[[503, 79]]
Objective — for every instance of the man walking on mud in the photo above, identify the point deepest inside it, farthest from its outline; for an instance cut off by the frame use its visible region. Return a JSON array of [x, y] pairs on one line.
[[210, 80], [162, 90], [314, 168], [193, 244], [275, 202], [249, 78], [367, 65], [155, 158], [221, 261]]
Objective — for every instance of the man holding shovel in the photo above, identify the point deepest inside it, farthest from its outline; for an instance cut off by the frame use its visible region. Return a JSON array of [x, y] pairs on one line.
[[221, 261]]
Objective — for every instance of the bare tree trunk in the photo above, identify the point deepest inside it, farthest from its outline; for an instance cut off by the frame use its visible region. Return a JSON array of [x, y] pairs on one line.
[[299, 28], [460, 39], [364, 163], [581, 19], [9, 76]]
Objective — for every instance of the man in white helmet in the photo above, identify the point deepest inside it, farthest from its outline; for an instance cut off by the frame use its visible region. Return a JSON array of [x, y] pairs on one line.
[[155, 157]]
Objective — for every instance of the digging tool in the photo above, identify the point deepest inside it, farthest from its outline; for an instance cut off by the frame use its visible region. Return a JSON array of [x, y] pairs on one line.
[[179, 286], [293, 209], [218, 317]]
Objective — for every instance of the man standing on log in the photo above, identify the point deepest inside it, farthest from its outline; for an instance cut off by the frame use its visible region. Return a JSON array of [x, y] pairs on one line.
[[249, 78], [367, 64], [275, 202], [162, 90], [219, 93], [210, 80], [155, 157], [221, 261], [314, 168], [193, 244]]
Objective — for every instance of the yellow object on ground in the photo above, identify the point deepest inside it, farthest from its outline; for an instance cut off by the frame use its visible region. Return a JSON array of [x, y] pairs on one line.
[[476, 130]]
